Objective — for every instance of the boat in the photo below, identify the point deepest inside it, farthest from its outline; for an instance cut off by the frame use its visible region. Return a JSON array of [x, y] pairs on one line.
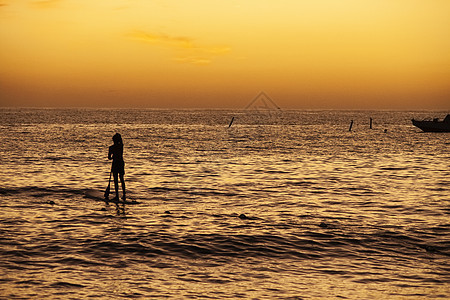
[[433, 125]]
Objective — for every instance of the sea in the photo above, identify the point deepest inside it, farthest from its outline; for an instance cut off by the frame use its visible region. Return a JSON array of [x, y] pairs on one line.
[[228, 204]]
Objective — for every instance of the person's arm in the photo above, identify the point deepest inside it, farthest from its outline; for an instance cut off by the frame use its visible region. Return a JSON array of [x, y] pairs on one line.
[[110, 153]]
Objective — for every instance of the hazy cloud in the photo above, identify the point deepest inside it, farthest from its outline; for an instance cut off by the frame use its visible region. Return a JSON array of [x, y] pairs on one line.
[[193, 60], [45, 3], [191, 52], [162, 39]]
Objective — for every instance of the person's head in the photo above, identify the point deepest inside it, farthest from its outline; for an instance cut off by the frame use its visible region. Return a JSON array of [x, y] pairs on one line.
[[117, 139]]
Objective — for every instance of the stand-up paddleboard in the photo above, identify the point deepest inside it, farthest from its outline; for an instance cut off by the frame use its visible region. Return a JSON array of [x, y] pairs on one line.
[[99, 196]]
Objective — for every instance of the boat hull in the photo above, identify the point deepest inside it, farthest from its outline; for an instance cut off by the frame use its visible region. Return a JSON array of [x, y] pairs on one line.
[[432, 126]]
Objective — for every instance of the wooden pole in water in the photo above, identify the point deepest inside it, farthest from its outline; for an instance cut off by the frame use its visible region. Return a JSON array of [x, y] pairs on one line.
[[351, 124], [231, 122], [371, 123]]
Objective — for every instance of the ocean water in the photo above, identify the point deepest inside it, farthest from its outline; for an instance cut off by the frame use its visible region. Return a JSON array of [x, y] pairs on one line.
[[281, 205]]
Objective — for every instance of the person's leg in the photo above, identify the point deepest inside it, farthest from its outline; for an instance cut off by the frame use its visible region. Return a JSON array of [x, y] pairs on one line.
[[122, 181], [116, 185]]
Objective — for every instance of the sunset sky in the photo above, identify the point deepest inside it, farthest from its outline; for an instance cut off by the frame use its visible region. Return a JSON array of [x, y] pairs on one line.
[[356, 54]]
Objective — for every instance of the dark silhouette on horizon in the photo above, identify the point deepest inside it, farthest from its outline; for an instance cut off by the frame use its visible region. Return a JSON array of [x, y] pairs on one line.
[[262, 97], [118, 165]]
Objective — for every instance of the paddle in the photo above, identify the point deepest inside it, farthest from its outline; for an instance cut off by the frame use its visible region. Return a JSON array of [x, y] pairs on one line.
[[109, 187]]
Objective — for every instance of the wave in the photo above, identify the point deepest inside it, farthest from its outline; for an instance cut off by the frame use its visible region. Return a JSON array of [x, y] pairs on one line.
[[40, 191], [313, 244]]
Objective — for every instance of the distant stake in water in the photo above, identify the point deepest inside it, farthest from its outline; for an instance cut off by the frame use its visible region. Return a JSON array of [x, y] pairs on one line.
[[371, 123], [351, 125], [231, 122]]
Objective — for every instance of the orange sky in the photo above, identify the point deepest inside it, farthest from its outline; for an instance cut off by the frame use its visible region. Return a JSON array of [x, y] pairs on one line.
[[222, 53]]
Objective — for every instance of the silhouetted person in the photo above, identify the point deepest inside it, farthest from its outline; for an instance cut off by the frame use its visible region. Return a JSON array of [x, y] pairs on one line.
[[118, 165]]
